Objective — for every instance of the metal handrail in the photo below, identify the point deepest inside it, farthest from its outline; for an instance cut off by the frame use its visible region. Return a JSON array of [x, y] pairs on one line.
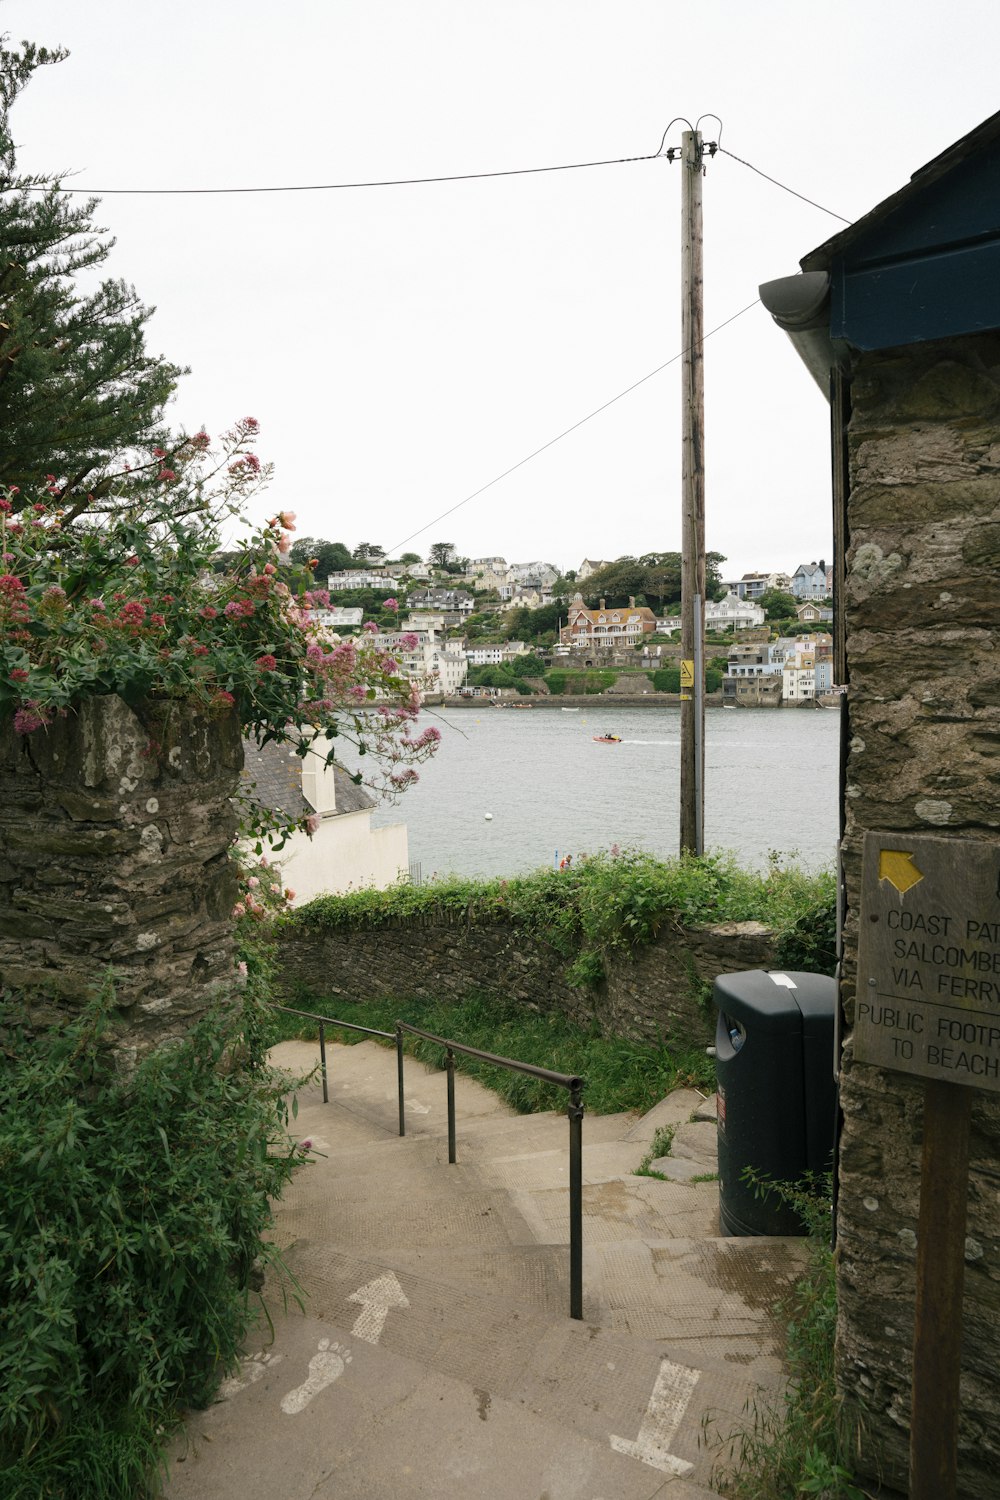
[[570, 1081], [325, 1021]]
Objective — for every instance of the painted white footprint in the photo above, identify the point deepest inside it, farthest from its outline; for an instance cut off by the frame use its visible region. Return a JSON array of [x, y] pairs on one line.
[[326, 1366], [249, 1373]]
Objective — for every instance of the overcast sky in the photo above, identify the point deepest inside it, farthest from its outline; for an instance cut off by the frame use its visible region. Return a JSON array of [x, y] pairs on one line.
[[403, 346]]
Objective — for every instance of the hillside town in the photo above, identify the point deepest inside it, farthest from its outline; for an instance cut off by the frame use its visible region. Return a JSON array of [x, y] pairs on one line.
[[482, 627]]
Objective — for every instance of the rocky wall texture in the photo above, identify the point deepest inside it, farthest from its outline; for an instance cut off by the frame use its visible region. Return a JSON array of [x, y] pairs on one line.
[[923, 659], [657, 992], [115, 832]]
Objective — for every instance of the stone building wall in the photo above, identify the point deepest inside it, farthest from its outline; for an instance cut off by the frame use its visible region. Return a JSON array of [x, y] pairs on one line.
[[115, 833], [923, 656], [656, 993]]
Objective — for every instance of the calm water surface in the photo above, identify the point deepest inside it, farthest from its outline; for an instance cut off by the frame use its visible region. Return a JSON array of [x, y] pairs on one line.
[[770, 784]]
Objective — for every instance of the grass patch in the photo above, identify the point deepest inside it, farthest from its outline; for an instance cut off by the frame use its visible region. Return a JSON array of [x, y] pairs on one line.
[[620, 1075], [661, 1145], [798, 1446], [579, 680]]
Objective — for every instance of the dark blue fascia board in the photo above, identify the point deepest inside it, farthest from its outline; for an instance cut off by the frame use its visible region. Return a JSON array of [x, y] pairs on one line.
[[940, 295], [955, 209]]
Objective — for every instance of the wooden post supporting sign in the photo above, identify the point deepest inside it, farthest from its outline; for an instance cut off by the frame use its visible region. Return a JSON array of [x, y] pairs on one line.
[[928, 1003]]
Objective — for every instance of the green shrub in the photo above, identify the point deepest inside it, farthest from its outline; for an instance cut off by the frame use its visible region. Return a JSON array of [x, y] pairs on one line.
[[134, 1209], [611, 902], [579, 680], [668, 679]]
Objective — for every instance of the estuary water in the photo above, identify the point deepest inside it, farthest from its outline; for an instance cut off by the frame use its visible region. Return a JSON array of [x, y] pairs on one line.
[[770, 785]]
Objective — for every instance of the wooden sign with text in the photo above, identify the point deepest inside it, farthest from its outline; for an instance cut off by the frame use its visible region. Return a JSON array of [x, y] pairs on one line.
[[928, 998]]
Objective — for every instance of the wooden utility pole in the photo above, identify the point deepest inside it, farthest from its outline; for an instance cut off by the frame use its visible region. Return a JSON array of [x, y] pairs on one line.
[[692, 796]]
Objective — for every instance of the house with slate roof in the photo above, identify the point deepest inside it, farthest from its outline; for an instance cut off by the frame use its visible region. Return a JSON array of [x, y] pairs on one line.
[[897, 318], [345, 852]]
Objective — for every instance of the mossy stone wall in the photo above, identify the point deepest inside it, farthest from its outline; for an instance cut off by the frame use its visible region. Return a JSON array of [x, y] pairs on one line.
[[115, 831], [655, 992], [922, 610]]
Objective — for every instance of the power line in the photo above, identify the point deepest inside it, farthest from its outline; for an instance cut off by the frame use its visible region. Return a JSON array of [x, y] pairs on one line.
[[565, 433], [333, 187], [811, 201]]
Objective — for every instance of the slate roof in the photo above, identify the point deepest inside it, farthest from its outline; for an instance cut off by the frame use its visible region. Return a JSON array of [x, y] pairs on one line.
[[273, 776]]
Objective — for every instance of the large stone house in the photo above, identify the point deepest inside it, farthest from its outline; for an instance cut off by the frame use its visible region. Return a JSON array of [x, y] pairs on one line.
[[604, 628], [897, 318]]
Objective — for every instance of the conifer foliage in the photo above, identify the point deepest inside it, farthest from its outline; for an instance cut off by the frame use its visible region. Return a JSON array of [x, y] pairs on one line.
[[77, 383]]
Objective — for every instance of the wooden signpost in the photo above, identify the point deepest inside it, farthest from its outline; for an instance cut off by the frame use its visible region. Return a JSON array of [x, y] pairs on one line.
[[928, 1003]]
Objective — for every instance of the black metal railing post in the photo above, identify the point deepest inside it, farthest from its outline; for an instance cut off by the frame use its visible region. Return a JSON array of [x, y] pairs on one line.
[[575, 1113], [322, 1060], [450, 1065], [399, 1078]]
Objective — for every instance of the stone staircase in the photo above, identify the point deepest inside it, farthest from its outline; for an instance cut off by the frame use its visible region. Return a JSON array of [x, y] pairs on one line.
[[435, 1356]]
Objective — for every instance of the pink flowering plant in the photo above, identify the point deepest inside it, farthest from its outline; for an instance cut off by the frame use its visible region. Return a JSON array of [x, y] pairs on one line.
[[141, 600]]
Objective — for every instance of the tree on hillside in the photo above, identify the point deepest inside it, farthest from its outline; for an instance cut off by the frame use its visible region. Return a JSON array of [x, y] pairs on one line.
[[331, 557], [368, 552], [441, 554], [525, 624], [78, 388], [777, 605], [653, 579]]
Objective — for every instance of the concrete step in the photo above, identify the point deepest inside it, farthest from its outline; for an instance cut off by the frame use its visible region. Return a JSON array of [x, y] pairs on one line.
[[329, 1416], [436, 1356]]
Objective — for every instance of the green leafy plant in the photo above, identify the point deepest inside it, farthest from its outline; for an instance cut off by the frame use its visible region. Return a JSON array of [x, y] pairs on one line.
[[134, 1209], [797, 1445], [661, 1145]]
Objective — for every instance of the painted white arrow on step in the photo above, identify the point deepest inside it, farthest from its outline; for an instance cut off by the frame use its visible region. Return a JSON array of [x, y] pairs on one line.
[[667, 1406], [376, 1298]]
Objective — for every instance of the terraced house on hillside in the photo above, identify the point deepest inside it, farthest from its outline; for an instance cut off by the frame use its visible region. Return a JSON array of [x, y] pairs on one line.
[[605, 627]]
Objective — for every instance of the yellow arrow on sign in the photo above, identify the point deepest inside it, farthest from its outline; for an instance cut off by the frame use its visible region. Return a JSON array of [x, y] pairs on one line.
[[897, 866]]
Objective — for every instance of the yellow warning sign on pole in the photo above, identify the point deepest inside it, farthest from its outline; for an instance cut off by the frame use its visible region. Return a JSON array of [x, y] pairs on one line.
[[687, 674]]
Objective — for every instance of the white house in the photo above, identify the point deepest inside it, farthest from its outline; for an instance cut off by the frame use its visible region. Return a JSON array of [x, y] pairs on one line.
[[542, 573], [588, 566], [344, 852], [426, 659], [798, 675], [339, 617], [494, 656], [362, 578], [752, 585], [732, 613]]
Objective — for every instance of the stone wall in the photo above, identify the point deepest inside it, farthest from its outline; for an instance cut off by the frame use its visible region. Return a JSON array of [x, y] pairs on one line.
[[115, 832], [923, 657], [656, 993]]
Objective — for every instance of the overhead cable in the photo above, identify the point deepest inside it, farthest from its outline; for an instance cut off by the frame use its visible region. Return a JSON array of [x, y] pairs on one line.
[[565, 433], [811, 201], [333, 187]]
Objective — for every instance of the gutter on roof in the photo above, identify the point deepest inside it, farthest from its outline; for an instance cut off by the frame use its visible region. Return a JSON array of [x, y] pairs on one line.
[[801, 306]]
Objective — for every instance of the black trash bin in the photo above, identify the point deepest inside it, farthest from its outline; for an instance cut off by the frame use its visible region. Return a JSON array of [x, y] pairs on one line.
[[776, 1091]]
